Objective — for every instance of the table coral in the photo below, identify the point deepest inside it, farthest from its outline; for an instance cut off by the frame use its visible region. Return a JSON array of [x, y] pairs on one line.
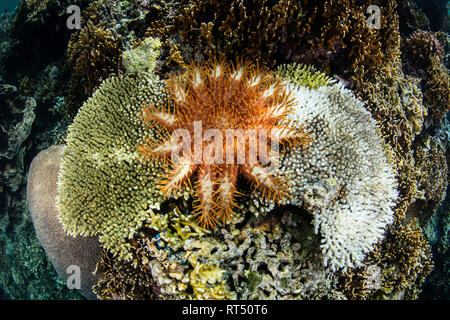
[[115, 191]]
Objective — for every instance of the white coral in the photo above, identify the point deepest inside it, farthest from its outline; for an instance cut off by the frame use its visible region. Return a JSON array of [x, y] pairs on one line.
[[347, 160]]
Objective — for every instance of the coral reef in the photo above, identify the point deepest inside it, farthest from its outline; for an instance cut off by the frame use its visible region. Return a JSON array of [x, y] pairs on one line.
[[153, 246]]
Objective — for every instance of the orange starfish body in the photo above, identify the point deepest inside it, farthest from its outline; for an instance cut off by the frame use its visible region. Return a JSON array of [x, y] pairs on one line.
[[220, 123]]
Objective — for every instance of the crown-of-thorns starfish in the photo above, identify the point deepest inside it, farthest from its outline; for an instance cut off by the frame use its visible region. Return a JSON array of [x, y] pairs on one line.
[[213, 101]]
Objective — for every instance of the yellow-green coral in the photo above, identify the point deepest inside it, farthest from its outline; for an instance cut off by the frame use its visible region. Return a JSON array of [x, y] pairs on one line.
[[207, 281], [104, 187], [143, 57], [304, 75]]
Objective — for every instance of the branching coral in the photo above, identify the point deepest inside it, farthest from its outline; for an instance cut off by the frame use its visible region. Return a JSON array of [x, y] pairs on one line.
[[424, 56], [121, 281], [422, 46], [230, 115], [238, 26], [304, 75], [272, 32], [143, 58], [432, 173], [403, 261], [395, 102], [437, 90], [93, 54]]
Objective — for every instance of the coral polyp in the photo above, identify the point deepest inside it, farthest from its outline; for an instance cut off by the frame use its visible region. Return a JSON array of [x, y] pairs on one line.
[[223, 121]]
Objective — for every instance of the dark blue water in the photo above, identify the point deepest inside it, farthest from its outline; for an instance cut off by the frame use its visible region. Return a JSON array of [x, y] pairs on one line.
[[9, 5]]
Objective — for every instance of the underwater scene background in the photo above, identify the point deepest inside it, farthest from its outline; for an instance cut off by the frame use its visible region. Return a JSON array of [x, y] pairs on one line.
[[389, 84]]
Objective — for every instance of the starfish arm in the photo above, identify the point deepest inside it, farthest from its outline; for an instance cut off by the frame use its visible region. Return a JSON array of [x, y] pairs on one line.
[[177, 176], [152, 115], [206, 207], [293, 136], [226, 192], [164, 150], [274, 188]]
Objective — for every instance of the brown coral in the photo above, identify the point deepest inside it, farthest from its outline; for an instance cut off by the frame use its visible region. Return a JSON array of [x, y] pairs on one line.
[[437, 90], [402, 262], [432, 175], [93, 54], [422, 46], [121, 280], [424, 56]]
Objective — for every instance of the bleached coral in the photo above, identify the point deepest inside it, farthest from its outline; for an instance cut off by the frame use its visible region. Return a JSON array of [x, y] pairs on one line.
[[344, 179]]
